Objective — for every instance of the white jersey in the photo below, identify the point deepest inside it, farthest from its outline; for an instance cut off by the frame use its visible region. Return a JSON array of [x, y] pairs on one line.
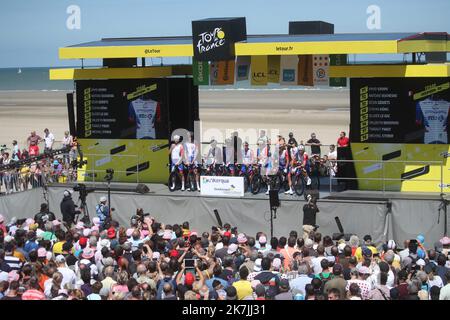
[[435, 115], [176, 153], [144, 113], [190, 151], [247, 157]]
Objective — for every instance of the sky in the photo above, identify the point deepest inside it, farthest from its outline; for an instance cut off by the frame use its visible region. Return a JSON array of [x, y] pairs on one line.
[[32, 31]]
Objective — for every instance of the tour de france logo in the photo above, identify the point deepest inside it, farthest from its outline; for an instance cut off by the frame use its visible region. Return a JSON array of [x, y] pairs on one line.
[[210, 40]]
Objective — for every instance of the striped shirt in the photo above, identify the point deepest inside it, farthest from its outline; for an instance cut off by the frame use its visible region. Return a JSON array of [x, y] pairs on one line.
[[33, 294], [13, 262]]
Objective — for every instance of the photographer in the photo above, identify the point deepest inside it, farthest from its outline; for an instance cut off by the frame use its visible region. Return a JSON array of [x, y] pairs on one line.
[[43, 216], [103, 212], [309, 216], [68, 209]]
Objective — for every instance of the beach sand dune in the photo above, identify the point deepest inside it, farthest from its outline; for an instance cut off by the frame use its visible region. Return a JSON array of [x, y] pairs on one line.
[[325, 112]]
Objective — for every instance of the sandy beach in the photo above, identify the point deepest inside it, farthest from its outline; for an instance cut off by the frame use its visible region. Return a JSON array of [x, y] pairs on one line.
[[325, 112]]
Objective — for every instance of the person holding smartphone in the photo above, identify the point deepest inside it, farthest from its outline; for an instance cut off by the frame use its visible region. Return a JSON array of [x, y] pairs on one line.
[[187, 276]]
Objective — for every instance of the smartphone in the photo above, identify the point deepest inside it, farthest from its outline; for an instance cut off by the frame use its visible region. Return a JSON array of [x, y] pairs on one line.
[[189, 263]]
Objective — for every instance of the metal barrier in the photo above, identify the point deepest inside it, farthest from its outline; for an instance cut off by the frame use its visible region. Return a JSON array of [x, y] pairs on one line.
[[383, 178]]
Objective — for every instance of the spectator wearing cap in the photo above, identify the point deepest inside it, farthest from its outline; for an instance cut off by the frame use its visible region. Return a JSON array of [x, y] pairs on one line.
[[69, 276], [102, 211], [67, 207], [262, 245], [284, 289], [338, 282], [367, 244], [361, 281]]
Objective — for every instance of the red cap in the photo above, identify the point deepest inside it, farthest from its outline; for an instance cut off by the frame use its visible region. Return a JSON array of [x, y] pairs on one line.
[[111, 233], [173, 253], [227, 234], [189, 279], [83, 241]]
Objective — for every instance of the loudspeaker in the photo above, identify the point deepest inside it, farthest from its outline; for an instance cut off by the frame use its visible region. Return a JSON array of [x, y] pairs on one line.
[[341, 234], [219, 221], [274, 199], [142, 188]]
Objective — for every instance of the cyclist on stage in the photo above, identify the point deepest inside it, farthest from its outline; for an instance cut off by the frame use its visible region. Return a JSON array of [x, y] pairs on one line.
[[176, 158], [298, 158], [265, 161], [191, 150], [214, 155], [229, 156], [248, 158]]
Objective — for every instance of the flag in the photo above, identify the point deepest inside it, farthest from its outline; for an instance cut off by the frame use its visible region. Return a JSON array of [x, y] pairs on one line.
[[305, 70], [321, 67], [288, 67], [273, 73], [200, 71], [338, 60], [259, 70], [225, 72], [242, 68]]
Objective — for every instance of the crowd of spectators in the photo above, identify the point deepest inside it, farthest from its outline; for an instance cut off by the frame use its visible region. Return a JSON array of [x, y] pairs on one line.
[[42, 258]]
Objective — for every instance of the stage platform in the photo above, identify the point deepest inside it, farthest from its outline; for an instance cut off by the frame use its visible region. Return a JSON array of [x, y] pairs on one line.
[[388, 215]]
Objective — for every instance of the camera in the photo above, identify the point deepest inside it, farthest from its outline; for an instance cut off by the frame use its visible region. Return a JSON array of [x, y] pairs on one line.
[[78, 164], [83, 190]]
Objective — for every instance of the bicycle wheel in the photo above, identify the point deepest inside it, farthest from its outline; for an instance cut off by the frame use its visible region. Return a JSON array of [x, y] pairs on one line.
[[256, 183], [299, 184], [174, 181]]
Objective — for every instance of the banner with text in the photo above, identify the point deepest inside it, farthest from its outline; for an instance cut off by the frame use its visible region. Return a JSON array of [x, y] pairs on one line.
[[259, 70], [321, 65], [338, 60], [222, 186], [200, 72], [273, 75], [242, 68], [225, 72]]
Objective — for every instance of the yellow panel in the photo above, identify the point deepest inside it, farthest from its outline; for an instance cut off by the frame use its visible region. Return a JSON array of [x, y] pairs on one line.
[[98, 154], [184, 50], [433, 70], [422, 46], [110, 73], [331, 47]]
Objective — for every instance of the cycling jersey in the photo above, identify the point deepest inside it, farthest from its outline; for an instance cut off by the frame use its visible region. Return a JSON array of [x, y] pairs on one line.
[[191, 152], [434, 116], [144, 112], [283, 159], [247, 157], [176, 154]]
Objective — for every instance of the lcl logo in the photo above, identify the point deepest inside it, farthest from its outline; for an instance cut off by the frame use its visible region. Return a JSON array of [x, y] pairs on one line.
[[259, 75]]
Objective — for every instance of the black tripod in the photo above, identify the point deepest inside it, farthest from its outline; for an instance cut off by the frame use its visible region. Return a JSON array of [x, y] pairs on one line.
[[109, 176], [84, 208]]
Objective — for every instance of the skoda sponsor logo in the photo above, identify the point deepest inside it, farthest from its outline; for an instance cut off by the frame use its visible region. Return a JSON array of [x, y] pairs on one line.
[[210, 40], [320, 73]]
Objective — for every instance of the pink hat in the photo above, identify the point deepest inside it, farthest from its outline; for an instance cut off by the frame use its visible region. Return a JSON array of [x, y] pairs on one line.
[[86, 232], [87, 253], [95, 228], [445, 241], [29, 221], [364, 270], [56, 223], [80, 225], [255, 283], [96, 220], [156, 255], [13, 276], [129, 232], [42, 253], [241, 238], [232, 248], [276, 263], [262, 240], [167, 234]]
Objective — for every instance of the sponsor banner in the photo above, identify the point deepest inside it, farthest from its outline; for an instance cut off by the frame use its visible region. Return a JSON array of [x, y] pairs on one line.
[[321, 66], [222, 186], [338, 60], [400, 110], [242, 68], [273, 72], [406, 167], [200, 72], [288, 70], [132, 160], [225, 72], [305, 70], [214, 73], [259, 70]]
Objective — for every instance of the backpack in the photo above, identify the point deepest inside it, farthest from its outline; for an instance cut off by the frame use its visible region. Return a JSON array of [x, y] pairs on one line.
[[324, 280]]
